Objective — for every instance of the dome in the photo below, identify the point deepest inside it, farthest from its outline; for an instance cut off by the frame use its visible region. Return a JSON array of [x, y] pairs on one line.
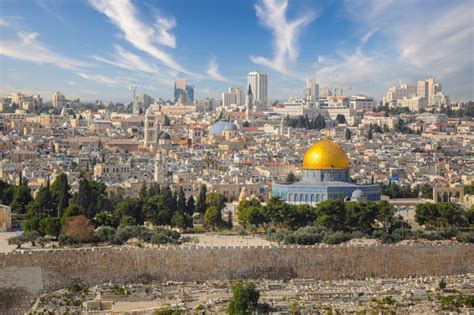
[[325, 154], [220, 126], [358, 194], [165, 136]]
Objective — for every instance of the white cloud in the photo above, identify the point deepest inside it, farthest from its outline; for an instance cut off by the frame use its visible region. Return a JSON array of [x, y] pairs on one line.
[[423, 38], [127, 60], [357, 69], [144, 37], [273, 15], [27, 47], [213, 72], [100, 78], [163, 26]]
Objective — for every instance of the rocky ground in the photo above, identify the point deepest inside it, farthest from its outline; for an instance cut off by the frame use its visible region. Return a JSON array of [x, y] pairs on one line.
[[298, 296]]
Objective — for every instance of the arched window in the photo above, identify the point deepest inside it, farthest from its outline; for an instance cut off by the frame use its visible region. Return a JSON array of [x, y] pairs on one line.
[[301, 197]]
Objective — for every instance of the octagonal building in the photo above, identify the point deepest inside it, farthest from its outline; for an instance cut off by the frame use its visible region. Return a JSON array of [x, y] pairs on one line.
[[325, 176]]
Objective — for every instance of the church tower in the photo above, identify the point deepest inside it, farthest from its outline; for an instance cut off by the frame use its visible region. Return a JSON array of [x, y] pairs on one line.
[[249, 104]]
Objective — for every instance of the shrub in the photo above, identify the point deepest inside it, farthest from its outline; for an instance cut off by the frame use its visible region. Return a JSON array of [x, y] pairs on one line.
[[465, 237], [79, 229], [335, 237], [122, 235], [104, 234], [16, 240]]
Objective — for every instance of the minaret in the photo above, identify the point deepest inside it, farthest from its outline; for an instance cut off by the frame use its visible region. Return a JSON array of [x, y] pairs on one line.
[[249, 104]]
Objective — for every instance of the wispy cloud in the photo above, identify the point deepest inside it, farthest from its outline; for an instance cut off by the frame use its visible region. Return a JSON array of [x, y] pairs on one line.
[[213, 72], [415, 48], [124, 15], [273, 15], [100, 78], [127, 60], [27, 47]]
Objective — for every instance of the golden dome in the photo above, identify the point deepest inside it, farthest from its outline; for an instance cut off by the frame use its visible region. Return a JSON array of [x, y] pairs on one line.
[[325, 154]]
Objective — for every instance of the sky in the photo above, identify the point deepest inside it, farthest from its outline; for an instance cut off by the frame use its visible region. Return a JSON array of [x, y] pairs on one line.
[[96, 49]]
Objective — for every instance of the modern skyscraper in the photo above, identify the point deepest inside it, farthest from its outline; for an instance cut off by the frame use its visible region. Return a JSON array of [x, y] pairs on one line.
[[183, 93], [239, 95], [311, 91], [258, 81], [228, 99], [58, 100]]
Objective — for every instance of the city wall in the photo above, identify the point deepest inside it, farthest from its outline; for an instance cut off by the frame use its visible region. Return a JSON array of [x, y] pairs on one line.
[[25, 275]]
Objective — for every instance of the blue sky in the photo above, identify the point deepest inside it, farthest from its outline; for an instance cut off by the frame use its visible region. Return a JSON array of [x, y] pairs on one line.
[[95, 49]]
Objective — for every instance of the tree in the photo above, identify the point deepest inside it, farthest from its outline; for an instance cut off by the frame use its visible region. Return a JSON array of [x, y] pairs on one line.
[[331, 214], [181, 202], [91, 197], [276, 210], [157, 210], [167, 121], [341, 119], [190, 205], [213, 218], [7, 192], [181, 220], [386, 216], [31, 237], [442, 284], [131, 207], [291, 178], [426, 191], [60, 193], [348, 134], [244, 300], [71, 210], [216, 200], [361, 216], [42, 206], [105, 218], [441, 215], [79, 229], [143, 194], [16, 240], [201, 202], [251, 215], [370, 134], [50, 226], [21, 198]]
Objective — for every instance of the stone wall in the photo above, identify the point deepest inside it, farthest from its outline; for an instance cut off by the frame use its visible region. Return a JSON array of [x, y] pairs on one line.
[[29, 274]]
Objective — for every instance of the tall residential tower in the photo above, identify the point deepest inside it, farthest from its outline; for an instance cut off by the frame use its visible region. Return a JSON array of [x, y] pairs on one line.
[[258, 81]]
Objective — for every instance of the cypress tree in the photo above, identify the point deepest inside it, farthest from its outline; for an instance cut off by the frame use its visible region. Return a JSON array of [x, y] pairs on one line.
[[201, 202], [191, 205], [181, 200]]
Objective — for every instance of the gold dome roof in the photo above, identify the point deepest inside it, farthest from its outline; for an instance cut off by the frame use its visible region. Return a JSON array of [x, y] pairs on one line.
[[325, 154]]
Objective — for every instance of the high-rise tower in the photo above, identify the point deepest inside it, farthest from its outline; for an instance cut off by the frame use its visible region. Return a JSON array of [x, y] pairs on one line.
[[259, 83]]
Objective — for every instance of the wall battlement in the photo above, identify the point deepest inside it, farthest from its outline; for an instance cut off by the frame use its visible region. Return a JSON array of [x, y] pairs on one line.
[[27, 274]]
